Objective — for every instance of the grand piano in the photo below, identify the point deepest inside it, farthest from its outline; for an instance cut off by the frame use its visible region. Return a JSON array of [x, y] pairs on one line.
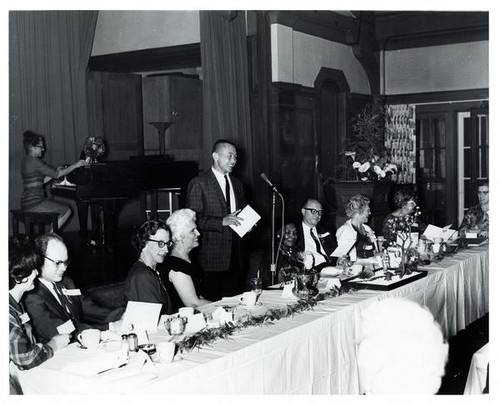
[[106, 186]]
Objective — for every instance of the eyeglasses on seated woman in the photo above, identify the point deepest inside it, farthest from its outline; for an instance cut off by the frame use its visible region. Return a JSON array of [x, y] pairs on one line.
[[152, 241]]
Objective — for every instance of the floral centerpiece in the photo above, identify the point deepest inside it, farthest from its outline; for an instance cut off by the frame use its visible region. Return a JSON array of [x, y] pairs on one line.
[[401, 228], [299, 267], [93, 148]]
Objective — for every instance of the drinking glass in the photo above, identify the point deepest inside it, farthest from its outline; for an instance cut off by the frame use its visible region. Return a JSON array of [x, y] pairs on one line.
[[256, 286], [345, 263]]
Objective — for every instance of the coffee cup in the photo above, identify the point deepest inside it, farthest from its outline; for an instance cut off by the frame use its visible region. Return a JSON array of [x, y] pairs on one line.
[[89, 338], [248, 299], [165, 351], [186, 311]]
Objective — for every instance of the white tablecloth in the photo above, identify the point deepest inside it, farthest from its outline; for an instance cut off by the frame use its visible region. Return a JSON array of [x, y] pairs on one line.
[[310, 353], [478, 371]]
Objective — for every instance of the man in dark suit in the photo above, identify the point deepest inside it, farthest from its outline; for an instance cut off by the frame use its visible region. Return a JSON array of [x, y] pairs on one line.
[[217, 198], [313, 237], [56, 305]]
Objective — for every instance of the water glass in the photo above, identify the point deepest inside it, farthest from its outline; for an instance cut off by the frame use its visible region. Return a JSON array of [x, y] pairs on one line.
[[256, 286]]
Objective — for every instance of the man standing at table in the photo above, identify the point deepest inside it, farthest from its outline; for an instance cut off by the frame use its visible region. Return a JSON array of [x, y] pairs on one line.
[[217, 197], [56, 305], [313, 237]]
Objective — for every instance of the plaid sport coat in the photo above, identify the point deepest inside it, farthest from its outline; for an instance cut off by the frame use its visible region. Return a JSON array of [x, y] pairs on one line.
[[206, 198]]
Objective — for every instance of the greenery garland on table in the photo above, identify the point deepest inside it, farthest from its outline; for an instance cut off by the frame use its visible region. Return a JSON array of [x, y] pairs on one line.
[[207, 336]]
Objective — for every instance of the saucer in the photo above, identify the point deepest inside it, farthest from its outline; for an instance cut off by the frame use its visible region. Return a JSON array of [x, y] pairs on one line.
[[255, 306]]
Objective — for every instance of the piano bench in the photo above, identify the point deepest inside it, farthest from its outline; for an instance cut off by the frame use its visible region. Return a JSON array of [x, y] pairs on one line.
[[31, 219]]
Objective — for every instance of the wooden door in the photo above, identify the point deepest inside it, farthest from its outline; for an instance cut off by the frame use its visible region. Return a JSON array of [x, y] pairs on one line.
[[436, 166], [473, 155]]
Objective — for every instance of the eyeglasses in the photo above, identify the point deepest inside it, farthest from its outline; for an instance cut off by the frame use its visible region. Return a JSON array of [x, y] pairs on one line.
[[39, 146], [314, 211], [162, 243], [59, 263]]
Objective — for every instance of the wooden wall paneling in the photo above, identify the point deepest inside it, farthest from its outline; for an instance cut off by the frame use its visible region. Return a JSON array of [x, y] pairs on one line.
[[177, 99], [294, 145], [115, 113]]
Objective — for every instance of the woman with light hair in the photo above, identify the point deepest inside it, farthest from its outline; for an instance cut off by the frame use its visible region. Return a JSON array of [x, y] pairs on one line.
[[354, 234], [180, 275], [401, 349]]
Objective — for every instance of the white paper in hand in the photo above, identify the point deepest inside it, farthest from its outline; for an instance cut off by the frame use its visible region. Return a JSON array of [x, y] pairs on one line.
[[249, 218]]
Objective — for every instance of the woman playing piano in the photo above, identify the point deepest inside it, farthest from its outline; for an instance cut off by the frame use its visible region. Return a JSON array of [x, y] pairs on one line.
[[36, 173]]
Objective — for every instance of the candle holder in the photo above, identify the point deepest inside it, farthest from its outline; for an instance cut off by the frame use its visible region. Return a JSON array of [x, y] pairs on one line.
[[164, 140]]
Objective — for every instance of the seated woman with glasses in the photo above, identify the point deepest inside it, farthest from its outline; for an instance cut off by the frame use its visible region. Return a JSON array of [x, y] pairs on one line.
[[35, 173], [355, 235], [405, 203], [143, 284], [180, 275], [24, 351]]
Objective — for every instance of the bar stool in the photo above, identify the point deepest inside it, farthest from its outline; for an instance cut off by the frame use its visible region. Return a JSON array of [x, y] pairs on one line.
[[31, 219]]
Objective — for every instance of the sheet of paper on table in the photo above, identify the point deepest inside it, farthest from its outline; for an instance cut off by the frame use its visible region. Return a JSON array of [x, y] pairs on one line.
[[141, 316], [446, 233], [250, 218]]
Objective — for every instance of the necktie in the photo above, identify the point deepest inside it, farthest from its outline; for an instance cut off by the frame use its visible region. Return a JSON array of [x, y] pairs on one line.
[[228, 194], [65, 302], [318, 245]]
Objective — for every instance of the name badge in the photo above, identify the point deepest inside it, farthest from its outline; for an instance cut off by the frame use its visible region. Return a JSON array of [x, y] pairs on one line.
[[25, 318], [72, 292]]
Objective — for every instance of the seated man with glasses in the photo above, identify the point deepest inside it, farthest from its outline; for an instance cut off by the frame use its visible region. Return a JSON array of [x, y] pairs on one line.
[[313, 237], [56, 305], [152, 242]]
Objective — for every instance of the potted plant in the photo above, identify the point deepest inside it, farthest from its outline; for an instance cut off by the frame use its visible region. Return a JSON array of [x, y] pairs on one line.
[[364, 166]]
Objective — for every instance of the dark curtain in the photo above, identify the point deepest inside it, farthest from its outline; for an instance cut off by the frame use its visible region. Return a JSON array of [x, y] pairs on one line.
[[226, 102], [48, 57]]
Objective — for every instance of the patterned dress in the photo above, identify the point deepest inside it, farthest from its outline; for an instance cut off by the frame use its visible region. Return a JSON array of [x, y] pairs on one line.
[[23, 349], [476, 219]]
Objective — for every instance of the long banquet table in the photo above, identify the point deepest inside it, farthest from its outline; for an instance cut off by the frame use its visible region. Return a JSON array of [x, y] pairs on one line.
[[313, 352]]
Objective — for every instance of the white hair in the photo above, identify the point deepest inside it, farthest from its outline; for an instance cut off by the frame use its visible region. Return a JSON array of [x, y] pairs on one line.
[[401, 350], [179, 220]]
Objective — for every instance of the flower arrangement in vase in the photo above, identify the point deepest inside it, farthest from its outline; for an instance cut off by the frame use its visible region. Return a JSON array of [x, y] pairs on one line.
[[401, 227], [93, 148], [366, 157], [307, 277]]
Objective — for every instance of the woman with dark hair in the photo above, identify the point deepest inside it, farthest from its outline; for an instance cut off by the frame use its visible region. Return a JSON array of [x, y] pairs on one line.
[[24, 262], [181, 276], [477, 217], [36, 173], [405, 203], [143, 284], [354, 233]]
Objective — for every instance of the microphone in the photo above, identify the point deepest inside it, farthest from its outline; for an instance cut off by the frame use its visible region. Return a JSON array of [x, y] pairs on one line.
[[266, 179]]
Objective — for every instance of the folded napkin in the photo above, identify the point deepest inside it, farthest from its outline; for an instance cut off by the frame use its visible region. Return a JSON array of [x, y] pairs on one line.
[[98, 363]]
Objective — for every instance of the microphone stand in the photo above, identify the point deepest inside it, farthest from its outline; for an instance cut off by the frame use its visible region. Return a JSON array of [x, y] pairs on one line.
[[274, 255]]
